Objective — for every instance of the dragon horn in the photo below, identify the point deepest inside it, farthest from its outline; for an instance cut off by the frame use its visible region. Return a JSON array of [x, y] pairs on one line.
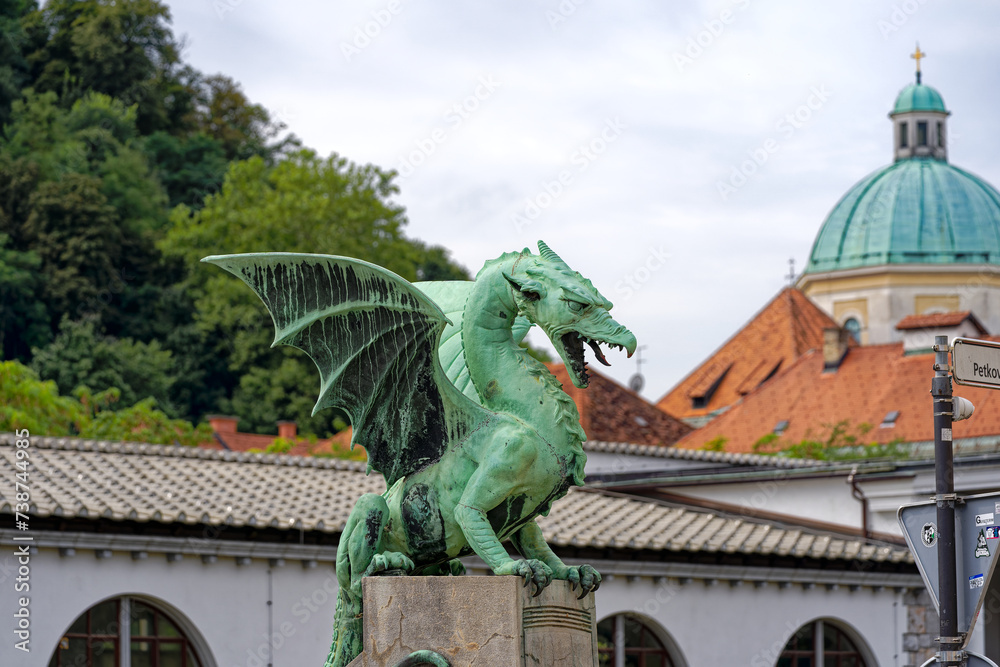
[[548, 254]]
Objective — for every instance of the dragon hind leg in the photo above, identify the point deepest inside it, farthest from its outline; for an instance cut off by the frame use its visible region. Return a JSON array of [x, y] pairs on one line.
[[359, 555]]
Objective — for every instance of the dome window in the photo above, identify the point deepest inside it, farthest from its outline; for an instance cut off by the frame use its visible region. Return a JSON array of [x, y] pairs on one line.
[[940, 134], [853, 327], [904, 140], [922, 133]]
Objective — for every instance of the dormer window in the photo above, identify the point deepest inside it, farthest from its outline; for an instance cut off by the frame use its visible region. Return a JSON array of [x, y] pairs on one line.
[[781, 427], [889, 421], [922, 133], [904, 139]]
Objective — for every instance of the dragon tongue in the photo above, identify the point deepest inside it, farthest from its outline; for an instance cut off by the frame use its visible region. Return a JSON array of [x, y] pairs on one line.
[[596, 347]]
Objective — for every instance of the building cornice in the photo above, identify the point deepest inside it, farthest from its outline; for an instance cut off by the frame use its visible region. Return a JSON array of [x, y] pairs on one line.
[[885, 275], [72, 544]]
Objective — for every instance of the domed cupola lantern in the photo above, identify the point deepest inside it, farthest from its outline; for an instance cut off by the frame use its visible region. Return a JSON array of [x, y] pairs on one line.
[[919, 236], [919, 120]]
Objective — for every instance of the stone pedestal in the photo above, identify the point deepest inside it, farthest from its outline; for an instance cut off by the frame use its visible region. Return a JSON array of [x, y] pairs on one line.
[[477, 621]]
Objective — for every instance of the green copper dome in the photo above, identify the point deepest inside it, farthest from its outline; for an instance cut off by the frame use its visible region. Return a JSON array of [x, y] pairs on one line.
[[916, 211], [918, 97]]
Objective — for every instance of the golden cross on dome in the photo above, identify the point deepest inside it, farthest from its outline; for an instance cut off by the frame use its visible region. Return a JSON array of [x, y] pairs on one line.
[[917, 55]]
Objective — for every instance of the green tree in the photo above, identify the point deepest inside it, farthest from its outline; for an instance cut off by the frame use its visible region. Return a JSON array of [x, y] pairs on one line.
[[27, 402], [304, 203], [243, 129], [80, 356], [190, 168], [13, 65], [122, 48], [23, 316], [77, 192], [142, 422], [79, 241]]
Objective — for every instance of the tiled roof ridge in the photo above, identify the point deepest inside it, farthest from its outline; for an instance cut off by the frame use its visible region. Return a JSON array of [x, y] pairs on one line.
[[729, 414], [180, 451], [794, 324], [708, 456], [715, 513], [803, 316], [773, 303], [930, 320]]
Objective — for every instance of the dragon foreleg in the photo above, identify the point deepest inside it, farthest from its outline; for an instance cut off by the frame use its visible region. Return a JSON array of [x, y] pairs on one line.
[[484, 542], [530, 543]]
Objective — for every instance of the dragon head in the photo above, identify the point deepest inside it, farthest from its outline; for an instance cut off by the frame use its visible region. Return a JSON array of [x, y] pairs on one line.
[[568, 308]]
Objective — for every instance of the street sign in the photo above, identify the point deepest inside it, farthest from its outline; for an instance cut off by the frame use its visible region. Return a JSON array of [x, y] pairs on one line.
[[977, 541], [976, 362]]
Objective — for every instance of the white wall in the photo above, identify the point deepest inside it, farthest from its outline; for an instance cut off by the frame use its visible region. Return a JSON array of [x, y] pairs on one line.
[[225, 602], [226, 605], [829, 500], [720, 625]]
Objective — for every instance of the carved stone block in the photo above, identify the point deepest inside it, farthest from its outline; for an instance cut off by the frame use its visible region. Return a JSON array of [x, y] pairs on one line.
[[477, 622]]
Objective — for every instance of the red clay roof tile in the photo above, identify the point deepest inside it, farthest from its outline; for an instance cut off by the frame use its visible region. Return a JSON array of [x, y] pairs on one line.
[[787, 327], [611, 413], [933, 320], [871, 382]]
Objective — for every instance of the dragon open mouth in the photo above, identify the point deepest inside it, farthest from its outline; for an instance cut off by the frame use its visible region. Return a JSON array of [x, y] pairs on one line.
[[572, 343]]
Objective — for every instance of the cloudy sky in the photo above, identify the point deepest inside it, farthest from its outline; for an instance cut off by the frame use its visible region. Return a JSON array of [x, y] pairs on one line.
[[677, 153]]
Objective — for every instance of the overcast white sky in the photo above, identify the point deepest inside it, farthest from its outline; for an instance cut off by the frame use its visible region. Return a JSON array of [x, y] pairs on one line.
[[486, 107]]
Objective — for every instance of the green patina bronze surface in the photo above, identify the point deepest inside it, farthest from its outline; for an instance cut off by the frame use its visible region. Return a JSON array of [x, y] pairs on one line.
[[474, 437]]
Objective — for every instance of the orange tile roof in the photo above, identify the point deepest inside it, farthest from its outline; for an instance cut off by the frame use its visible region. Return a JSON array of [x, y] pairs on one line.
[[611, 413], [933, 320], [244, 442], [870, 382], [787, 327]]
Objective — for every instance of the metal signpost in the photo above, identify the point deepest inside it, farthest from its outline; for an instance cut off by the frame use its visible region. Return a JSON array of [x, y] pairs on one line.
[[956, 585]]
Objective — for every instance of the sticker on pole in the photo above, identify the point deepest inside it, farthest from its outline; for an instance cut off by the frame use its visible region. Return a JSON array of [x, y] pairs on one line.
[[976, 362], [976, 581]]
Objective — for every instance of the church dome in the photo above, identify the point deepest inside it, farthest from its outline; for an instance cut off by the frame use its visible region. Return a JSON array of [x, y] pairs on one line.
[[918, 97], [915, 211]]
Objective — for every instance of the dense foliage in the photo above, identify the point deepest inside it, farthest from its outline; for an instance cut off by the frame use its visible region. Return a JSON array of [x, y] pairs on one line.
[[120, 168]]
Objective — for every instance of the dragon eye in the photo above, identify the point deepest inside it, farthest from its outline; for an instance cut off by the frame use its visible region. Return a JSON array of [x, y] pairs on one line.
[[575, 306]]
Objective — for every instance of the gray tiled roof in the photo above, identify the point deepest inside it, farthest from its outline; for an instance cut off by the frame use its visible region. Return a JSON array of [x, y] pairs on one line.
[[71, 477], [733, 458]]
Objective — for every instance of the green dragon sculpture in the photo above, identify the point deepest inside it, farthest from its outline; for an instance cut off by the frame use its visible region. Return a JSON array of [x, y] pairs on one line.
[[474, 437]]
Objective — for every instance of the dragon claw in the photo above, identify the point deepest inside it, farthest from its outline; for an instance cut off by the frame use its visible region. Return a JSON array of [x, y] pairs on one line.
[[584, 576], [389, 560], [534, 572]]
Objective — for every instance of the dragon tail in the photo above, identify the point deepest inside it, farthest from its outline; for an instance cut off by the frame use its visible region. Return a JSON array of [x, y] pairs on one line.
[[347, 631]]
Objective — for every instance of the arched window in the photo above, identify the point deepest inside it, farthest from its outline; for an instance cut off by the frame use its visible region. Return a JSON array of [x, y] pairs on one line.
[[820, 644], [97, 637], [625, 641], [853, 327]]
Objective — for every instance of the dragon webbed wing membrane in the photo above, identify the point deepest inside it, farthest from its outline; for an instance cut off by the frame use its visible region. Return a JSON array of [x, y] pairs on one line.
[[374, 338], [451, 296]]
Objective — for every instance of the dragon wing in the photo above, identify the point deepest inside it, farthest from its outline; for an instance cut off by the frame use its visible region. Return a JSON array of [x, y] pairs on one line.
[[451, 296], [374, 338]]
